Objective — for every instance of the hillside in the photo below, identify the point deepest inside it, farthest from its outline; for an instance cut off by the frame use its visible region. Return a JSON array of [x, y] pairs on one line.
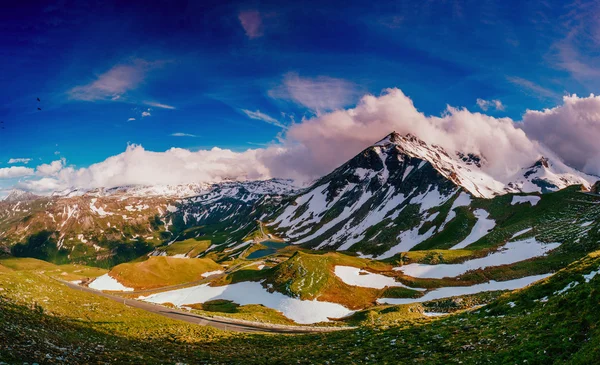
[[71, 326]]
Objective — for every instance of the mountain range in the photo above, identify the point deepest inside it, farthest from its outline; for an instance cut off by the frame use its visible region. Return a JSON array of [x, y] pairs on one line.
[[395, 195]]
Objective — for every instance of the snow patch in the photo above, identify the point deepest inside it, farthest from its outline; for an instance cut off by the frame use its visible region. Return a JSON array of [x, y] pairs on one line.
[[106, 282], [209, 273], [358, 277], [482, 227], [449, 292], [531, 199], [301, 311], [510, 253]]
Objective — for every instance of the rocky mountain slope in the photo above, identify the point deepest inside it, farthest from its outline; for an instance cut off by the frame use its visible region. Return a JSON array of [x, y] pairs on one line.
[[398, 194], [401, 192], [93, 225]]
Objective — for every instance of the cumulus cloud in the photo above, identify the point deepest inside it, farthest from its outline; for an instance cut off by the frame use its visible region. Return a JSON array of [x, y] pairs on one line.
[[15, 171], [487, 104], [572, 130], [252, 22], [19, 160], [50, 169], [320, 94], [180, 134], [316, 146], [139, 166], [130, 119], [258, 115], [146, 113]]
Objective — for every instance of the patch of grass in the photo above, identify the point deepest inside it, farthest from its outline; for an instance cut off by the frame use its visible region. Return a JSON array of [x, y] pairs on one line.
[[454, 232], [159, 271], [311, 276], [250, 312], [26, 263], [189, 247], [42, 319]]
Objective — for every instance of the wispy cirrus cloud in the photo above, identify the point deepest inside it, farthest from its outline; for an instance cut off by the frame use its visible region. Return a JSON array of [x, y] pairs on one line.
[[532, 88], [112, 84], [19, 160], [181, 134], [252, 22], [258, 115], [131, 119], [159, 105], [115, 83], [319, 94]]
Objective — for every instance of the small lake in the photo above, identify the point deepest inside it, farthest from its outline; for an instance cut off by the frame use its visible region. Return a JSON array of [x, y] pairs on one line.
[[272, 247]]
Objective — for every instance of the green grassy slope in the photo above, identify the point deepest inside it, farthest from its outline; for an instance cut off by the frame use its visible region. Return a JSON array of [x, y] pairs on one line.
[[536, 325], [160, 271]]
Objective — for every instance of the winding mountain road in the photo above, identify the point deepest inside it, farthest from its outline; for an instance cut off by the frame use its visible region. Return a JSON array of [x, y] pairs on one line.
[[220, 323]]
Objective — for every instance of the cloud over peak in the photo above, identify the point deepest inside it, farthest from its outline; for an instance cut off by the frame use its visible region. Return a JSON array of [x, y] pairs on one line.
[[315, 146]]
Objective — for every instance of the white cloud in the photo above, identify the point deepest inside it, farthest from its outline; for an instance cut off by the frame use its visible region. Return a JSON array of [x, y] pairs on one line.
[[42, 186], [572, 130], [159, 105], [146, 114], [258, 115], [486, 104], [50, 169], [15, 171], [532, 88], [180, 134], [19, 160], [252, 22], [320, 94], [112, 84], [130, 119], [139, 166], [316, 146]]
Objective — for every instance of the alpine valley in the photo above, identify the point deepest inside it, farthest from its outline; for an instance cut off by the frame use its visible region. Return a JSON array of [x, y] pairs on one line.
[[406, 253]]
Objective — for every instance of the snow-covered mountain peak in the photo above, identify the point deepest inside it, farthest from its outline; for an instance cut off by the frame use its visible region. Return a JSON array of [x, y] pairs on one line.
[[257, 188], [17, 195], [467, 169]]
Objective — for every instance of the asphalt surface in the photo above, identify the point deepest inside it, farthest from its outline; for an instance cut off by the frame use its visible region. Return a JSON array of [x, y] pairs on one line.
[[219, 323]]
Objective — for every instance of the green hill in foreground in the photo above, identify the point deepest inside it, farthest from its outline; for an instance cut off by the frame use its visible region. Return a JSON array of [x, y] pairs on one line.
[[555, 321]]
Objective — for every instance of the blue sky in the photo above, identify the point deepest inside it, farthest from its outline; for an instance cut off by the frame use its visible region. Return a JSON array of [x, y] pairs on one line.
[[234, 75]]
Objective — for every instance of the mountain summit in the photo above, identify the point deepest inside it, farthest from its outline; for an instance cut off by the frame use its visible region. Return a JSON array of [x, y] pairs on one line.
[[388, 198]]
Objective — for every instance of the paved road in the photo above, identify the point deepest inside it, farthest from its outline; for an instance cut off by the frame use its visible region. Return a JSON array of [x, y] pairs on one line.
[[219, 323]]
